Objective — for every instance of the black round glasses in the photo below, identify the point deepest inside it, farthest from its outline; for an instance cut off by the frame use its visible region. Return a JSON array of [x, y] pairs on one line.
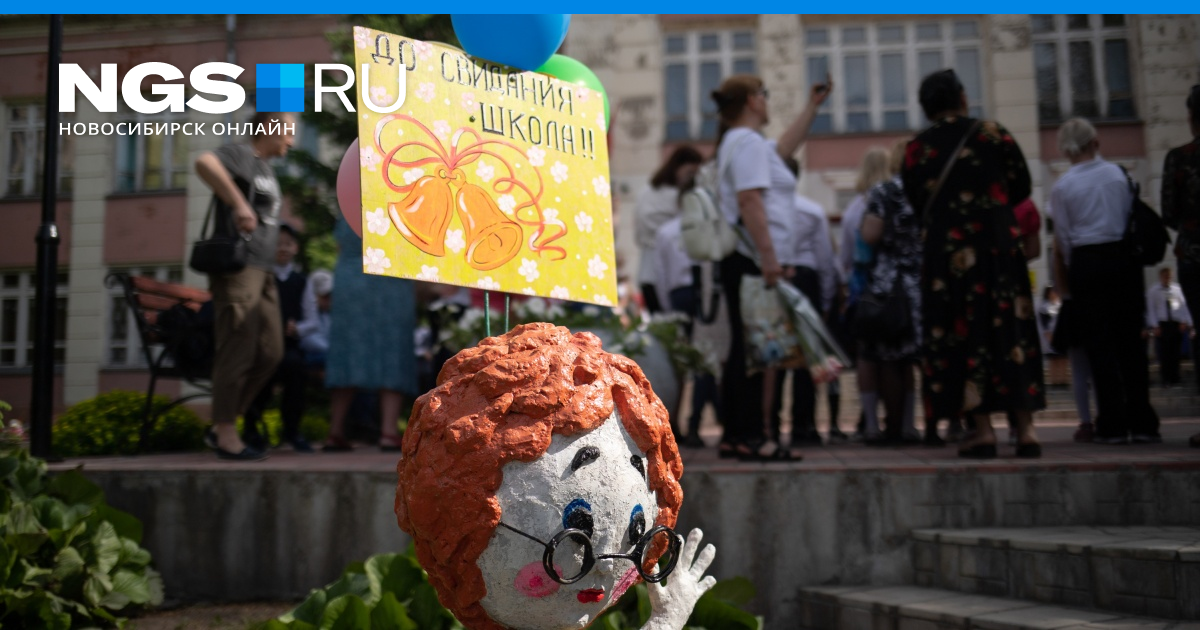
[[649, 540]]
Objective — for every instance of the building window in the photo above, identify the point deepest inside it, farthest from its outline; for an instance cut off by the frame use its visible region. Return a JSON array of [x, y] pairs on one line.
[[152, 162], [877, 68], [124, 343], [18, 320], [25, 130], [695, 63], [1082, 67]]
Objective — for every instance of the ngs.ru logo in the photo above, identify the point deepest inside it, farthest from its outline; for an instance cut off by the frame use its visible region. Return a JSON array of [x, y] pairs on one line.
[[279, 87]]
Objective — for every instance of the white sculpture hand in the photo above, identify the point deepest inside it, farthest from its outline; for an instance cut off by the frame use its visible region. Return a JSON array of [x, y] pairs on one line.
[[671, 605]]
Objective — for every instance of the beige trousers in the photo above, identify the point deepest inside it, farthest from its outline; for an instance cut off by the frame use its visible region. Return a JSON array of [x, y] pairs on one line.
[[249, 339]]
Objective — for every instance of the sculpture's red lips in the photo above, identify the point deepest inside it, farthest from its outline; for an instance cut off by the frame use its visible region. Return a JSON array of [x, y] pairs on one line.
[[590, 596]]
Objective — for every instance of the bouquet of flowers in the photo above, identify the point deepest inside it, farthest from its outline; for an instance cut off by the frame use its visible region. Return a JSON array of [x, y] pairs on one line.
[[825, 358]]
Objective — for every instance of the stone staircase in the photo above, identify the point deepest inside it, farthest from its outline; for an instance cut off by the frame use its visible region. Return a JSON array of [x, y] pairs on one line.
[[1069, 578]]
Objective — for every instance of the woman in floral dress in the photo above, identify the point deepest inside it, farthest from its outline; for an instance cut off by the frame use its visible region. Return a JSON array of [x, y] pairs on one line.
[[893, 229], [982, 354]]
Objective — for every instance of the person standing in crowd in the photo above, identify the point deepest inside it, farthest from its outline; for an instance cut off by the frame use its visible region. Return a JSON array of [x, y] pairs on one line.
[[1167, 320], [809, 265], [755, 193], [1090, 205], [248, 331], [1181, 209], [677, 280], [314, 328], [371, 343], [1047, 320], [893, 230], [981, 344], [856, 258], [291, 284], [656, 205]]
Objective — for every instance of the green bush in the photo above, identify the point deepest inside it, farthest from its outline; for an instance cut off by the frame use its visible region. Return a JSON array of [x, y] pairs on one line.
[[110, 424], [391, 591], [67, 559]]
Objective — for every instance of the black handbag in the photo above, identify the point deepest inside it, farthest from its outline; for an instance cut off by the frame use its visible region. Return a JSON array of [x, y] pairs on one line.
[[1145, 234], [217, 254], [882, 318]]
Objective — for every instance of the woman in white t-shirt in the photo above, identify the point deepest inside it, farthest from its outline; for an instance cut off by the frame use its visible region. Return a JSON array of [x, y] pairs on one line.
[[756, 190], [655, 206]]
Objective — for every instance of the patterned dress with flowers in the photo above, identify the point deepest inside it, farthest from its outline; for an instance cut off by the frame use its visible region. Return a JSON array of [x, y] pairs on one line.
[[981, 342]]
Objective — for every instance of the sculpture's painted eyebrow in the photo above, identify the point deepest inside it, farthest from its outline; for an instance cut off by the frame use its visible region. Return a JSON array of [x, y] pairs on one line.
[[585, 456]]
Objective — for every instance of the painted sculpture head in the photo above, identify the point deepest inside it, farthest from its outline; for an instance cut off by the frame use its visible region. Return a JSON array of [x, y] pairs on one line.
[[529, 439]]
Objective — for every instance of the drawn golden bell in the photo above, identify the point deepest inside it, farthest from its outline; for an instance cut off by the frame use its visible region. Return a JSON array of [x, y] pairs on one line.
[[492, 238], [423, 216]]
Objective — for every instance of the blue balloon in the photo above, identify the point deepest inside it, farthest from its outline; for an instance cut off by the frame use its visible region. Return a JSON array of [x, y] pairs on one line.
[[521, 41]]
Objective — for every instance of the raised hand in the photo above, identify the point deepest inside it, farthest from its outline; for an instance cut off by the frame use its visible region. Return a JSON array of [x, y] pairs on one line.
[[671, 605]]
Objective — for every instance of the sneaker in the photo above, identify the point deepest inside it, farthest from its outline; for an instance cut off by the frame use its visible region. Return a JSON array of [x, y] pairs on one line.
[[1086, 433], [256, 441], [1147, 438], [299, 444], [837, 437], [1113, 440]]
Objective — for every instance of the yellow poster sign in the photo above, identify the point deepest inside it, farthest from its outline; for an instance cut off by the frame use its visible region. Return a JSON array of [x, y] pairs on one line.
[[479, 175]]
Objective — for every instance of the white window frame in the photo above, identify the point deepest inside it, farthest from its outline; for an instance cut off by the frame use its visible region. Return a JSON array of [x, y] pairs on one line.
[[25, 293], [132, 344], [692, 58], [835, 52], [35, 121], [1096, 34], [139, 148]]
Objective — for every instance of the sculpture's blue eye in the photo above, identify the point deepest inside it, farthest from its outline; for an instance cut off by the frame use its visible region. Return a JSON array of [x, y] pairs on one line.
[[578, 515], [637, 525]]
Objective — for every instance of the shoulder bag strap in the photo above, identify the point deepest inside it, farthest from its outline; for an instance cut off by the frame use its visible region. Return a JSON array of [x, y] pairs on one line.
[[946, 171]]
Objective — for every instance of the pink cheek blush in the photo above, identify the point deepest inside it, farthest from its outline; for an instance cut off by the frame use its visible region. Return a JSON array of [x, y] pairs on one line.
[[624, 583], [532, 581]]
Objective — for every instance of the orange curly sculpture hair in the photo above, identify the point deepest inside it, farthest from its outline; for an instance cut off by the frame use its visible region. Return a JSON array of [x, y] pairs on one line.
[[500, 402]]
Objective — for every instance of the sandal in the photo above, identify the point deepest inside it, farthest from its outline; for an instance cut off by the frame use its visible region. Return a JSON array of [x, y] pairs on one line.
[[727, 450], [780, 453]]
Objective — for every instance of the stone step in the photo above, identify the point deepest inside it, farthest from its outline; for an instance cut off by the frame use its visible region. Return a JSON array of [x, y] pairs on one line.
[[1132, 570], [922, 608]]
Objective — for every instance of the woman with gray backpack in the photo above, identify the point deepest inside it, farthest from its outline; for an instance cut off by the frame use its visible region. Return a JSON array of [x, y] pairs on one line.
[[754, 193]]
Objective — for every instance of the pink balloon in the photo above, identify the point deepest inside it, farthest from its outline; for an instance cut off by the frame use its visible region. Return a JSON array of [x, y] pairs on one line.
[[349, 189]]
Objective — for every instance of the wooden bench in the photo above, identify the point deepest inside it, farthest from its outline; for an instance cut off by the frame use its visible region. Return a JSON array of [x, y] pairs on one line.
[[148, 300]]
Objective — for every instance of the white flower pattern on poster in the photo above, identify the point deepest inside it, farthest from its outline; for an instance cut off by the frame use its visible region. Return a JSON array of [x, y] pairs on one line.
[[424, 50], [560, 293], [507, 203], [559, 172], [550, 215], [426, 91], [601, 123], [485, 171], [468, 101], [428, 274], [602, 299], [380, 96], [413, 174], [377, 222], [455, 241], [600, 184], [441, 128], [362, 37], [529, 270], [488, 284], [583, 221], [375, 261], [582, 94], [369, 158], [536, 155], [528, 291], [597, 267]]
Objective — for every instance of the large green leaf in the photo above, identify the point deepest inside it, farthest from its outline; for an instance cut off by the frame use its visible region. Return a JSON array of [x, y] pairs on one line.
[[737, 591], [24, 533], [392, 573], [132, 555], [155, 584], [72, 487], [32, 574], [711, 612], [7, 557], [106, 548], [96, 587], [67, 564], [355, 584], [390, 614], [426, 610], [347, 612], [126, 524], [128, 587], [8, 465], [311, 609], [50, 616]]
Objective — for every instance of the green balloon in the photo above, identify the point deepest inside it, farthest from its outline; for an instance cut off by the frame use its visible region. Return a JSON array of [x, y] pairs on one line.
[[570, 70]]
